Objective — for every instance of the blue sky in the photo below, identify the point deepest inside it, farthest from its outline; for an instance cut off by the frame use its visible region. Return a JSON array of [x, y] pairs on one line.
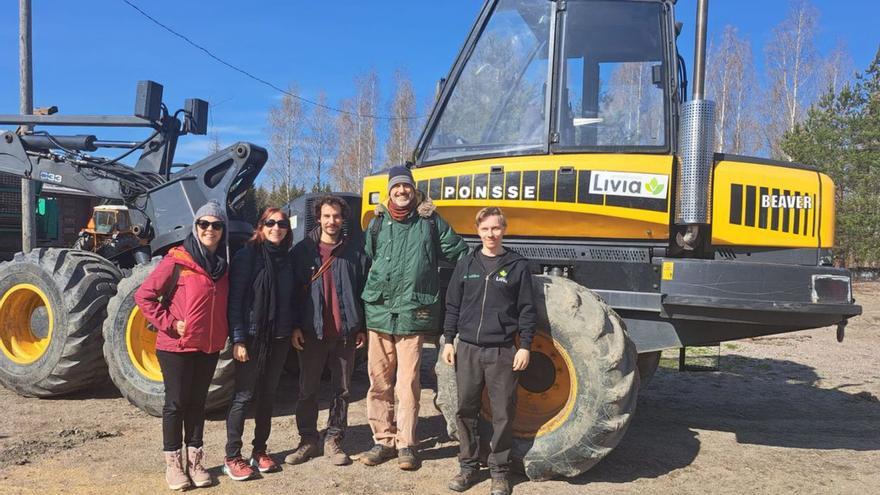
[[89, 54]]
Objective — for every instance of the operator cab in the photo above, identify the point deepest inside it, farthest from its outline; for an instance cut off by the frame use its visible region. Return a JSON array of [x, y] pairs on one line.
[[610, 86]]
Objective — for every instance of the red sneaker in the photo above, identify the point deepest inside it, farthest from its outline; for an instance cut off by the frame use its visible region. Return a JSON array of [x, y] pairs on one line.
[[237, 469], [262, 461]]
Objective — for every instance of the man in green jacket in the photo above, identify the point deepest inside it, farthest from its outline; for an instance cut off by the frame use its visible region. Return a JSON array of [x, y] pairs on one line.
[[402, 306]]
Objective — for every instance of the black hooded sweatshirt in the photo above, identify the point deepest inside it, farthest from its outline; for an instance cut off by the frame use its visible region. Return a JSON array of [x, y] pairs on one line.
[[491, 309]]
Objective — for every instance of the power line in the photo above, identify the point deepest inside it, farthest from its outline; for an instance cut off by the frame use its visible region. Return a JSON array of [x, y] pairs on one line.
[[257, 78]]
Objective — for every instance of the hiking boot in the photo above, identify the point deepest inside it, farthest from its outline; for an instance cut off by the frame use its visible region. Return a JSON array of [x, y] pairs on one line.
[[261, 460], [462, 481], [377, 455], [304, 451], [333, 451], [406, 459], [197, 472], [174, 475], [237, 468], [500, 486]]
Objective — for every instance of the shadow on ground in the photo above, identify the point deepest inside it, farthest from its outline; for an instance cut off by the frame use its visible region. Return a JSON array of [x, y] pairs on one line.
[[767, 402]]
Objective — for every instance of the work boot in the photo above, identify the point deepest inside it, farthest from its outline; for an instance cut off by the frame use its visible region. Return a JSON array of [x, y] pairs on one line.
[[406, 459], [463, 480], [174, 475], [197, 472], [333, 451], [304, 451], [500, 486], [377, 455], [237, 468], [261, 460]]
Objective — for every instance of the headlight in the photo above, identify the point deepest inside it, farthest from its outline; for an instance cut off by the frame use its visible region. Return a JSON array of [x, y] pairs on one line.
[[374, 198], [832, 289]]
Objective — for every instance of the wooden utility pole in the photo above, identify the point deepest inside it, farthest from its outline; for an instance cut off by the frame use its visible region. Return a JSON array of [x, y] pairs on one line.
[[26, 107]]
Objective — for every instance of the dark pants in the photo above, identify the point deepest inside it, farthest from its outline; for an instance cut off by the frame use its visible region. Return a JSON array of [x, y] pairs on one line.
[[255, 392], [339, 355], [492, 367], [187, 376]]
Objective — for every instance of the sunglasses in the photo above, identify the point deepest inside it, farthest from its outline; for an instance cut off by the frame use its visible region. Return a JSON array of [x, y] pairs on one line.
[[282, 224], [204, 224]]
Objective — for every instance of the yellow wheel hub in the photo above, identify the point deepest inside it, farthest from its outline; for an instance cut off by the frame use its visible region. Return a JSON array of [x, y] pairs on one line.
[[141, 344], [25, 323], [546, 391]]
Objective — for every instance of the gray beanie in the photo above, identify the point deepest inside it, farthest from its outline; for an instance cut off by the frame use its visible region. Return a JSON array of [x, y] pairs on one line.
[[400, 174], [211, 208]]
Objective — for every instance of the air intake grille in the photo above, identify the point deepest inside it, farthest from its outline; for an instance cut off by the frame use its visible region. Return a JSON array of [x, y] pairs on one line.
[[584, 253]]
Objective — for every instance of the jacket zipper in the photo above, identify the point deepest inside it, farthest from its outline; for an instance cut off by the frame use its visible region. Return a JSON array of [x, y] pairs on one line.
[[485, 292], [483, 307], [213, 300]]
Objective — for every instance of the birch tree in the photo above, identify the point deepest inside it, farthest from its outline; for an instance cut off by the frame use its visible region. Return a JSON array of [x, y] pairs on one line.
[[836, 69], [319, 142], [356, 127], [401, 134], [285, 135], [730, 83], [791, 67]]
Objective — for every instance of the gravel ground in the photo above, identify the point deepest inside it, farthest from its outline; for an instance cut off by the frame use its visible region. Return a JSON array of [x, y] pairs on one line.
[[796, 413]]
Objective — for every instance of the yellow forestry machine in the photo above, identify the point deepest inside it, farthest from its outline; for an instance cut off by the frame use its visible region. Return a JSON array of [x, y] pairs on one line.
[[572, 116]]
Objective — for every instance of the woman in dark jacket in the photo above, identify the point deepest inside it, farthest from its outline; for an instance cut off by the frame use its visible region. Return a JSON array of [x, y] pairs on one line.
[[190, 320], [260, 324]]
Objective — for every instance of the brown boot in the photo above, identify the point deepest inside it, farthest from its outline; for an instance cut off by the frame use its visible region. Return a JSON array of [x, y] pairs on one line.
[[174, 475], [197, 472], [304, 451], [333, 451]]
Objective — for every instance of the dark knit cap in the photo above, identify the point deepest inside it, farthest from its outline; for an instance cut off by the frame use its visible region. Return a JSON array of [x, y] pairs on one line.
[[400, 175]]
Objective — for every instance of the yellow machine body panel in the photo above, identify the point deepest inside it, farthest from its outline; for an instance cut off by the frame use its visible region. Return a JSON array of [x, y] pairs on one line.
[[609, 196], [774, 206]]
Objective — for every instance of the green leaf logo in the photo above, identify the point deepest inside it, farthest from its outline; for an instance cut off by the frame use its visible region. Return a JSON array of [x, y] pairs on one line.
[[654, 187]]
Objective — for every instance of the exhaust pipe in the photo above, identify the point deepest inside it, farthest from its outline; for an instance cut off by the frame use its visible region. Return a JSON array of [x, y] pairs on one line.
[[696, 145]]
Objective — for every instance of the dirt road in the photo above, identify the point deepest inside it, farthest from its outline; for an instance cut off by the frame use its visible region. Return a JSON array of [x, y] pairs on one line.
[[797, 413]]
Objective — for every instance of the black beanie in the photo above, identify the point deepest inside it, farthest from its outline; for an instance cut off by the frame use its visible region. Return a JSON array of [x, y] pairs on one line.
[[400, 175]]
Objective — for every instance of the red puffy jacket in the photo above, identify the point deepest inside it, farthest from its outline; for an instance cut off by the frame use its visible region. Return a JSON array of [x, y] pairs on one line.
[[198, 301]]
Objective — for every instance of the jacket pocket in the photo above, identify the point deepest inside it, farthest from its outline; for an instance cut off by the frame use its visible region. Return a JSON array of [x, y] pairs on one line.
[[372, 296], [424, 299]]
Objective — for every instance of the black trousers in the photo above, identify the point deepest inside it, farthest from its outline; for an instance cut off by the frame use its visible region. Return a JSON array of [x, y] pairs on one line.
[[257, 393], [339, 355], [187, 376], [490, 367]]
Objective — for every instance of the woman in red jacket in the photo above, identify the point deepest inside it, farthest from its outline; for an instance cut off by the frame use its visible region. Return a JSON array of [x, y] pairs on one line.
[[192, 330]]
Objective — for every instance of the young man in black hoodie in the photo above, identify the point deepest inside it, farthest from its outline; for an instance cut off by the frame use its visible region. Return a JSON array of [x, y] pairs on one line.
[[488, 304]]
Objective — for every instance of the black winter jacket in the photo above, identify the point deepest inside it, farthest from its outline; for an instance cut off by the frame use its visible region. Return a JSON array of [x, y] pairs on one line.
[[242, 271], [491, 309], [349, 269]]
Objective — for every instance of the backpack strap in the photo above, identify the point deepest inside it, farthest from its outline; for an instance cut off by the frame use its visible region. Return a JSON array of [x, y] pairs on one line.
[[170, 286], [375, 227]]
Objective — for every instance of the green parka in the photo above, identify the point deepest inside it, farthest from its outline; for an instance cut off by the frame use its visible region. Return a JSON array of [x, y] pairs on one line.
[[402, 294]]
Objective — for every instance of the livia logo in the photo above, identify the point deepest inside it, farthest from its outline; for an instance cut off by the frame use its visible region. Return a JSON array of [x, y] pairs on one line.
[[654, 187], [629, 184], [501, 277]]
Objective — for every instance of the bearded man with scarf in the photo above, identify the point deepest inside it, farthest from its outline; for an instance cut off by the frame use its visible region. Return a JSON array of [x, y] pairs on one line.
[[405, 240], [260, 325], [191, 331]]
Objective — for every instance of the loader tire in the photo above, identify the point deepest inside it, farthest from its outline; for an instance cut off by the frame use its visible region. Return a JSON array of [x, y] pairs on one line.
[[576, 399], [130, 350], [52, 303]]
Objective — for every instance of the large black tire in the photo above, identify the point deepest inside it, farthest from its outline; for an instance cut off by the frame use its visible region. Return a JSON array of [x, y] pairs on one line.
[[582, 370], [52, 303], [129, 347]]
